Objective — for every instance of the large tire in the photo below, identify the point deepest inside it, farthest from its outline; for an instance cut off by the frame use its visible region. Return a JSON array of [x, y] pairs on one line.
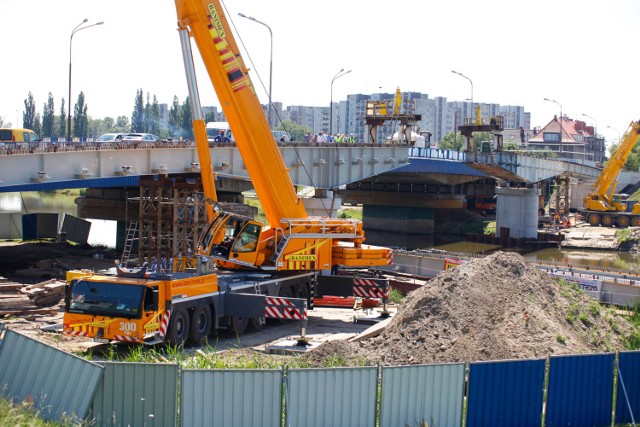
[[301, 291], [607, 220], [178, 327], [200, 324], [624, 221], [239, 324], [635, 221], [594, 219]]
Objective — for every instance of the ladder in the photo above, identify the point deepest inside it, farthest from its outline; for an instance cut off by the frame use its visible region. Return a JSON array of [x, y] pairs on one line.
[[132, 236]]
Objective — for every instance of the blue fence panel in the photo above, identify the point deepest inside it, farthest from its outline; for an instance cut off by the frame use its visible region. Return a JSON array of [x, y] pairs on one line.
[[506, 393], [415, 395], [628, 396], [580, 390]]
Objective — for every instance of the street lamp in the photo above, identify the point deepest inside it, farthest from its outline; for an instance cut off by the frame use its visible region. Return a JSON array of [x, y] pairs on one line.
[[337, 76], [616, 131], [75, 30], [462, 75], [595, 129], [561, 127], [242, 15]]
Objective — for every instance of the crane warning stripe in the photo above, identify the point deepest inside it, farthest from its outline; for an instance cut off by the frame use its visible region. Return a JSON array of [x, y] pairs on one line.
[[126, 338], [165, 323], [282, 308], [369, 288]]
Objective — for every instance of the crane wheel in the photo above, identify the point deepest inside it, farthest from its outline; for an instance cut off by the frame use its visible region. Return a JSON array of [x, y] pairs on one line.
[[624, 221], [178, 327], [607, 220], [200, 324], [635, 221], [239, 324], [594, 219]]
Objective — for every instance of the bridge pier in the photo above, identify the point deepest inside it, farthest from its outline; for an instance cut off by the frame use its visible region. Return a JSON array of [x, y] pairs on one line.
[[517, 210]]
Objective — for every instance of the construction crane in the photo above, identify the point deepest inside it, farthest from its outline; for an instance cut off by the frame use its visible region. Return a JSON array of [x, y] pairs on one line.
[[603, 206]]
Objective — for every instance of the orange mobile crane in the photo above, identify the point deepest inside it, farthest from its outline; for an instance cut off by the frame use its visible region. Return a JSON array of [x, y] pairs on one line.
[[245, 271], [602, 206]]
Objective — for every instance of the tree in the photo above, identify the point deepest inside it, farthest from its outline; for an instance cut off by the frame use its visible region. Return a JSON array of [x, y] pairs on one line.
[[29, 115], [62, 122], [37, 125], [48, 117], [3, 123], [633, 161], [80, 119], [175, 118], [296, 131], [186, 125], [137, 117], [122, 123], [452, 141], [154, 117]]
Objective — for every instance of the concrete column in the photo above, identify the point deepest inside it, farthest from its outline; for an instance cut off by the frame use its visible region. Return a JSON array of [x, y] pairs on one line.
[[323, 203], [517, 210]]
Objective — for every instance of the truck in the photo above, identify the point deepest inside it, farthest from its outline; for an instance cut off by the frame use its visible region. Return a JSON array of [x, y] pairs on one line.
[[243, 271], [602, 206]]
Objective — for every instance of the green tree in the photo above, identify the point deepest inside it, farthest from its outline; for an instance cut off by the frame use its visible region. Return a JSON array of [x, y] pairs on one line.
[[154, 117], [62, 122], [80, 119], [452, 141], [186, 125], [109, 124], [175, 118], [296, 131], [48, 117], [137, 117], [29, 115], [210, 117], [122, 124], [633, 161], [37, 125]]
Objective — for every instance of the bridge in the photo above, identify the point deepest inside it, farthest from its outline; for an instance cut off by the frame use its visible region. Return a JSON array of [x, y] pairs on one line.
[[402, 188], [50, 167]]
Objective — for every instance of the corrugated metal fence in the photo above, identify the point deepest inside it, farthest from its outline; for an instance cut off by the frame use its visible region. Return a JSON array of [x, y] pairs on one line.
[[579, 391]]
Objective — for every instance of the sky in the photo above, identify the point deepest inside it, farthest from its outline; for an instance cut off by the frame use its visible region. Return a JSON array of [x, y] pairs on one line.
[[580, 53]]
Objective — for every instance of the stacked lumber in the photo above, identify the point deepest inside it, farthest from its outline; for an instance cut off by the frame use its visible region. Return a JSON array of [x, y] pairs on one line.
[[45, 294], [14, 302]]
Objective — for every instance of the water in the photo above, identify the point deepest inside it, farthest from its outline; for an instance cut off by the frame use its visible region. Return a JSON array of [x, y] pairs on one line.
[[102, 232]]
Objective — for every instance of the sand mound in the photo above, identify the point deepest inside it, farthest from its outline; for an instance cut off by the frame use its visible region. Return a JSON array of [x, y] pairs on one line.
[[494, 308]]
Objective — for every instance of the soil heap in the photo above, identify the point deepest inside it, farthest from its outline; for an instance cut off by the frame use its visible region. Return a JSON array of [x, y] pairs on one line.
[[494, 308]]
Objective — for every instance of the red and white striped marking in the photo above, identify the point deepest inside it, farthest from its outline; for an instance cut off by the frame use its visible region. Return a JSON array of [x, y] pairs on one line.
[[369, 288], [126, 338], [165, 323], [282, 308], [75, 333], [390, 257]]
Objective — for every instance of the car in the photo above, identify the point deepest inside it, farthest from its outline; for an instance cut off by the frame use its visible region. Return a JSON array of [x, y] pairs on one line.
[[140, 137], [110, 137], [17, 137]]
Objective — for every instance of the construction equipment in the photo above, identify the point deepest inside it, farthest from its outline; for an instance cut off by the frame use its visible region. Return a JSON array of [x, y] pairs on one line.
[[602, 206], [245, 271]]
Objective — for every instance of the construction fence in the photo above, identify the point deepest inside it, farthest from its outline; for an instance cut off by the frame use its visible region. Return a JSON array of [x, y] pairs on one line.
[[592, 389]]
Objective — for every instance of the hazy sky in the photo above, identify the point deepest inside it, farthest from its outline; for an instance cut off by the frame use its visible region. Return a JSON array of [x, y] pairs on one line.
[[582, 53]]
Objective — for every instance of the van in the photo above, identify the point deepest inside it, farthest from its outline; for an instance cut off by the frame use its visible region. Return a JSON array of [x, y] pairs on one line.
[[17, 138], [219, 132]]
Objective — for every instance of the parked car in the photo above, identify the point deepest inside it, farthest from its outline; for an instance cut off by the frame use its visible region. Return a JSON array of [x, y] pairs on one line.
[[140, 137], [17, 138], [110, 137]]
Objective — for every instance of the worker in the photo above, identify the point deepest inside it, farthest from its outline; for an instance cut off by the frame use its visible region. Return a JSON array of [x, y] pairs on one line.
[[307, 137], [352, 139]]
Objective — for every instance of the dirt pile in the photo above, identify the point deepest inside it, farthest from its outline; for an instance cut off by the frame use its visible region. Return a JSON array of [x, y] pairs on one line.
[[494, 308]]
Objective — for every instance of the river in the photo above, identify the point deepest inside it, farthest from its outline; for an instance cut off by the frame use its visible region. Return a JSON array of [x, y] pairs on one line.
[[104, 233]]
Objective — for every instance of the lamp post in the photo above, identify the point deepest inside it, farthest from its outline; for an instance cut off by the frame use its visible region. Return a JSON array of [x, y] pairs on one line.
[[561, 127], [270, 58], [471, 99], [616, 131], [595, 132], [337, 76], [75, 30]]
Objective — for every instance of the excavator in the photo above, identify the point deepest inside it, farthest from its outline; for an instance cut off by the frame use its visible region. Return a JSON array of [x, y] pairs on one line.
[[245, 271], [603, 206]]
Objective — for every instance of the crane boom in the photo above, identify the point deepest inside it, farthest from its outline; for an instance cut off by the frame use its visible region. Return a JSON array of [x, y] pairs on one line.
[[229, 75]]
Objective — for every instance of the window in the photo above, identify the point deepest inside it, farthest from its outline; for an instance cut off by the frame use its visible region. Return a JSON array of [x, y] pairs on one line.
[[247, 240], [551, 136]]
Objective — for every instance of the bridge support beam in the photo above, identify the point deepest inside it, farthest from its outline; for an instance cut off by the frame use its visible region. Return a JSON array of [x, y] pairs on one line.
[[517, 211]]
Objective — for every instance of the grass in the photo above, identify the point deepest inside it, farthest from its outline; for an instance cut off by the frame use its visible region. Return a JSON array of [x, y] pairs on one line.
[[350, 213], [23, 414]]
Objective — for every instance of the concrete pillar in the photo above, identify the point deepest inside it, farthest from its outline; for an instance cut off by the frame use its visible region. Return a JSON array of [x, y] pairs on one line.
[[517, 210], [323, 203]]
